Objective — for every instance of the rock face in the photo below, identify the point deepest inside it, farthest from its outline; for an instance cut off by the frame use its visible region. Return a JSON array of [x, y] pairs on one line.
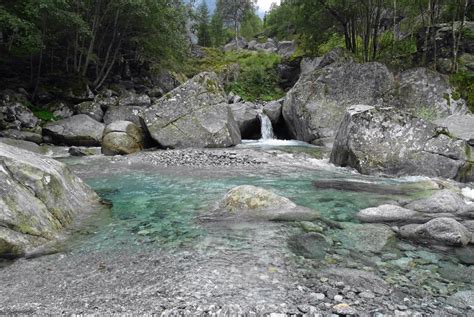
[[260, 203], [385, 140], [246, 116], [427, 94], [461, 126], [122, 137], [195, 114], [80, 130], [39, 197], [315, 106]]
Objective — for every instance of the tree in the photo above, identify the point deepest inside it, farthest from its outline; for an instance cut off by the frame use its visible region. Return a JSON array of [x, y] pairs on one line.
[[204, 36], [233, 12]]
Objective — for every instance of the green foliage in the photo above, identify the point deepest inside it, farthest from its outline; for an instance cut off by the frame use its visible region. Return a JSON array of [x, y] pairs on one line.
[[426, 113], [44, 115], [204, 34], [464, 84], [258, 78], [334, 41], [251, 25]]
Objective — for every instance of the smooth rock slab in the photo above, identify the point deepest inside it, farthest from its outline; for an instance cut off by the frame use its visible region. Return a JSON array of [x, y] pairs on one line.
[[79, 130], [38, 198], [310, 245], [366, 237], [386, 213]]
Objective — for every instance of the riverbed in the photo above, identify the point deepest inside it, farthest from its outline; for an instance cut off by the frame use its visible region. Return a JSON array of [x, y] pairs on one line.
[[157, 252]]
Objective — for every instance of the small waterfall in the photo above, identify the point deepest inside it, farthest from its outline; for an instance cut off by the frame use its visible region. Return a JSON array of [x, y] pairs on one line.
[[266, 127]]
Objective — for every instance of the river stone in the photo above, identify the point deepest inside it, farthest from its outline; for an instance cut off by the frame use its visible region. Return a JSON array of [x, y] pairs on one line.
[[463, 299], [310, 245], [366, 237], [91, 109], [195, 114], [130, 98], [315, 106], [257, 202], [38, 198], [122, 137], [428, 94], [246, 116], [22, 135], [130, 113], [358, 279], [386, 213], [80, 130], [461, 126], [444, 231], [385, 140], [444, 201]]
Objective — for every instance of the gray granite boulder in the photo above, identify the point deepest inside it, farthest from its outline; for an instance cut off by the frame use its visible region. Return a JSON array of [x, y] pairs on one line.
[[388, 141], [315, 106], [461, 126], [79, 130], [246, 116], [38, 198], [22, 135], [273, 110], [91, 109], [444, 201], [15, 115], [386, 214], [442, 230], [427, 94], [196, 114], [122, 137]]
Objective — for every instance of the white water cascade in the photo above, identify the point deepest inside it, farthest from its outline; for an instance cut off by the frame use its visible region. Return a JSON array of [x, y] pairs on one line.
[[266, 127]]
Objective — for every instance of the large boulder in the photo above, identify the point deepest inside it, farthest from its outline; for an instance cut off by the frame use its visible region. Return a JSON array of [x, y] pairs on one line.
[[427, 94], [315, 106], [235, 44], [286, 48], [366, 237], [385, 140], [38, 198], [273, 111], [461, 126], [130, 113], [80, 130], [444, 201], [195, 114], [122, 137], [442, 230], [130, 98], [246, 116], [256, 202], [15, 115], [90, 108]]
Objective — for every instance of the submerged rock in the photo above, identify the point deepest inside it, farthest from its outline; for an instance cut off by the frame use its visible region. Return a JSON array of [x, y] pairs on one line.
[[260, 203], [310, 245], [38, 198], [79, 130], [366, 237], [315, 106], [195, 114], [385, 140], [122, 137]]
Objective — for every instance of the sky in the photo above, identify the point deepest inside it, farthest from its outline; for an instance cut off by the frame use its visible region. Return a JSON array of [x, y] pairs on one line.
[[263, 5]]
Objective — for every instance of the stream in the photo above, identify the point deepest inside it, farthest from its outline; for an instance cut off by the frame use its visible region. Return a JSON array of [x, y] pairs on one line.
[[155, 252]]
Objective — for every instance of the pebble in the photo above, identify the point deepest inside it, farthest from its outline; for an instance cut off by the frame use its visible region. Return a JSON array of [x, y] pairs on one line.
[[344, 309], [318, 296], [338, 298]]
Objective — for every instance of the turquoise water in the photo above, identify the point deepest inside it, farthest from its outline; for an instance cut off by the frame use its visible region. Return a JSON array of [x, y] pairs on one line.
[[153, 208]]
